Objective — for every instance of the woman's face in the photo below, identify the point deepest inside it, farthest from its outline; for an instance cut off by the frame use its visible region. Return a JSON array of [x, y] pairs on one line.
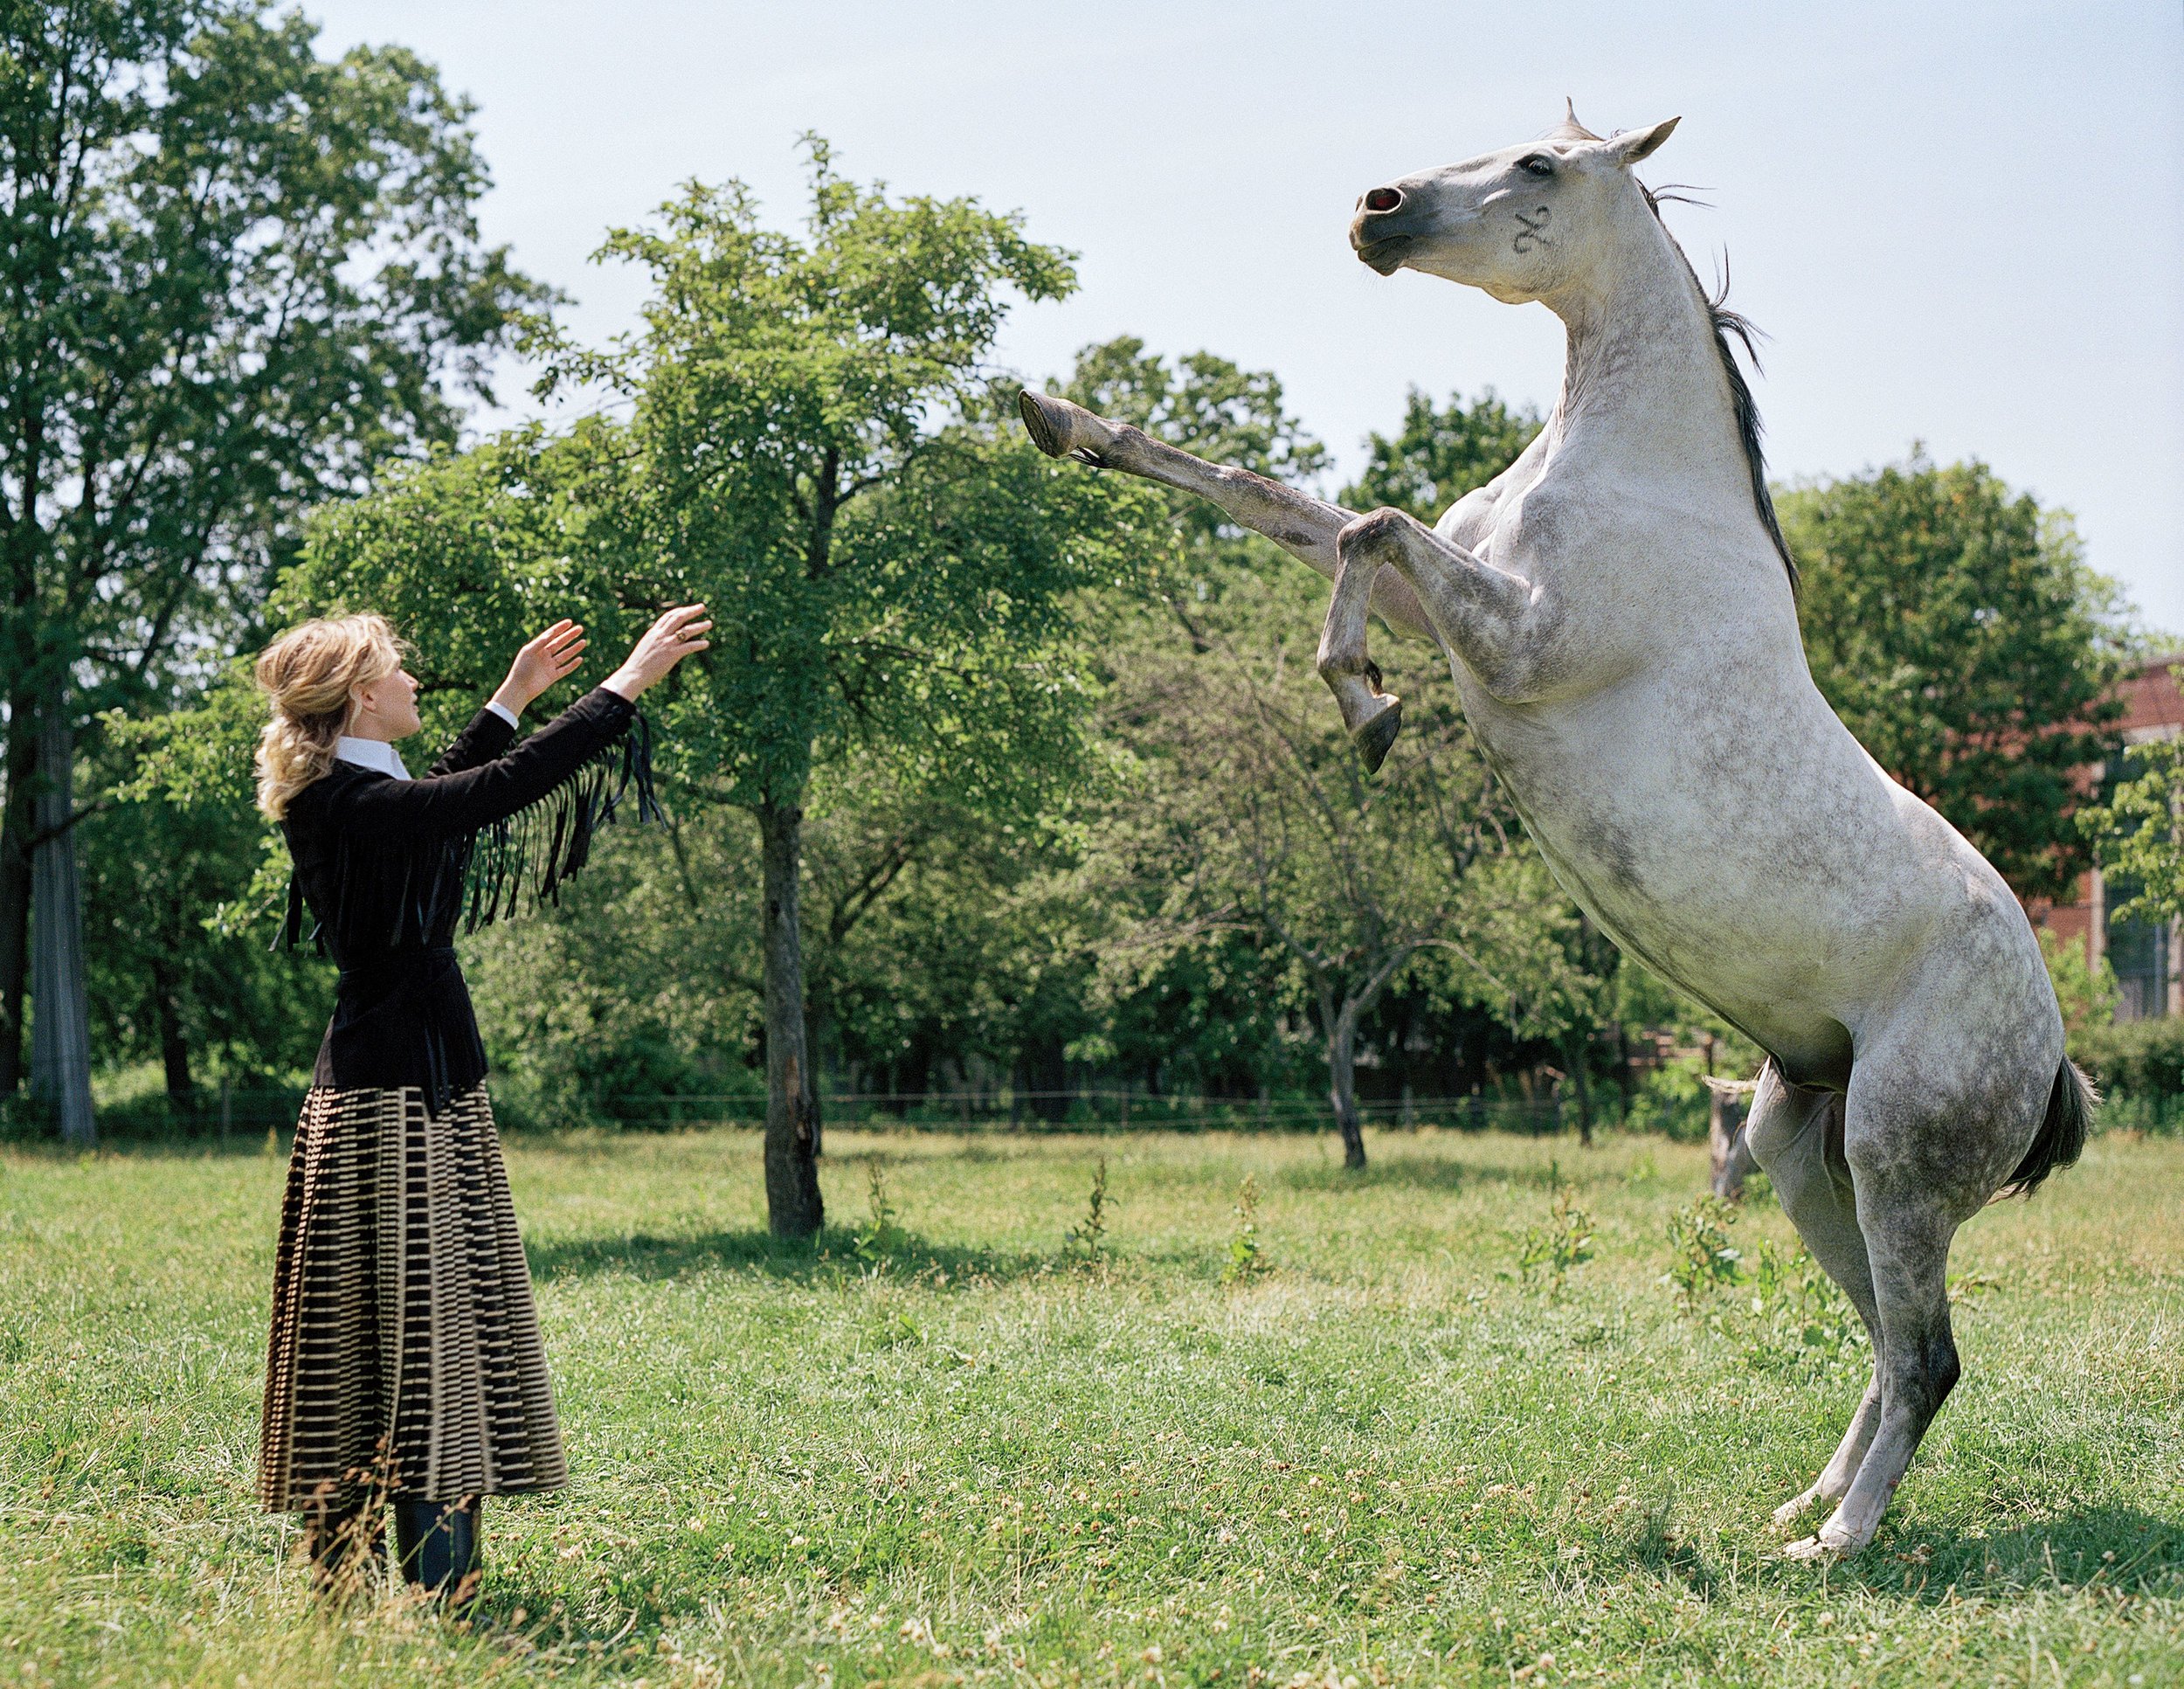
[[384, 708]]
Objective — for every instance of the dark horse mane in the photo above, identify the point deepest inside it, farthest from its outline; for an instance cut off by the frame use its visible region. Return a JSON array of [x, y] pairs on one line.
[[1727, 322]]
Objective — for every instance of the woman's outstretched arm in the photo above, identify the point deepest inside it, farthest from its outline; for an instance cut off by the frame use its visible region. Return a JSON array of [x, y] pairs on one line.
[[552, 656], [464, 801]]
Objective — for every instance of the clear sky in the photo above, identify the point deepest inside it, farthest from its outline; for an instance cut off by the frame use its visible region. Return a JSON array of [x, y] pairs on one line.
[[1958, 223]]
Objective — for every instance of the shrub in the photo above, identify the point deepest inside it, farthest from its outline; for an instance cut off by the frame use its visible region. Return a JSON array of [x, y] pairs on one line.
[[2139, 1068], [883, 1235], [1088, 1239]]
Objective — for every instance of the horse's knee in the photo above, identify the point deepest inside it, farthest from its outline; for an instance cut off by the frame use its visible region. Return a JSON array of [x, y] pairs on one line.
[[1340, 659], [1369, 534]]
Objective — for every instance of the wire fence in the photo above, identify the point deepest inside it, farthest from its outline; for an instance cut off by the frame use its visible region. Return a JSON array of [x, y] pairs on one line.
[[240, 1116], [220, 1114], [1095, 1110]]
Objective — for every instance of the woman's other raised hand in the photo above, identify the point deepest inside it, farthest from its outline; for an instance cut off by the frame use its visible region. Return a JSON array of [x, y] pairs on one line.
[[678, 634], [552, 656]]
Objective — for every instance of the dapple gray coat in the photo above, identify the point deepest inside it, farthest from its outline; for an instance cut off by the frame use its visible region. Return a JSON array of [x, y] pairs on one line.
[[1620, 615]]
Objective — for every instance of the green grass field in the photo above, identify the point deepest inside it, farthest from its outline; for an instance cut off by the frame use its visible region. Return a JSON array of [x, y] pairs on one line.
[[968, 1451]]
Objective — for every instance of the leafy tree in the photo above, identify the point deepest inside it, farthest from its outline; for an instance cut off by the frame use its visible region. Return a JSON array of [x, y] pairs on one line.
[[1439, 455], [814, 449], [1204, 404], [2138, 830], [1958, 631], [645, 983], [236, 276]]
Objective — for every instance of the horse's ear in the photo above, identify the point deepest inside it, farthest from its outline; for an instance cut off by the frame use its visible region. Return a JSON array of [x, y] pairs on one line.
[[1569, 129], [1632, 145]]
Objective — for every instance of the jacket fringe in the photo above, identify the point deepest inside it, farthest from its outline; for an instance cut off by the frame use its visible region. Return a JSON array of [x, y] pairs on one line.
[[500, 870]]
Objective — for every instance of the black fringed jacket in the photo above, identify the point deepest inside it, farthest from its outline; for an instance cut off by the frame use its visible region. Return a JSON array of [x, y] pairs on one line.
[[391, 868]]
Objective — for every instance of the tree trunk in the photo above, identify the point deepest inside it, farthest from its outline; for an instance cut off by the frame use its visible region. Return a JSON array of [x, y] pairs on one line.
[[15, 886], [1576, 1048], [60, 1033], [1342, 1048], [793, 1208], [174, 1049], [1342, 1083]]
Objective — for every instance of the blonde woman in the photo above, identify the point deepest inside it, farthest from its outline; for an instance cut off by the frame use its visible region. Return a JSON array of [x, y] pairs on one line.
[[404, 1360]]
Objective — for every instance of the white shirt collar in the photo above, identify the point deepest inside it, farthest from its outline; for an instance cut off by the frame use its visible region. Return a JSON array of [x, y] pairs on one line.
[[375, 754]]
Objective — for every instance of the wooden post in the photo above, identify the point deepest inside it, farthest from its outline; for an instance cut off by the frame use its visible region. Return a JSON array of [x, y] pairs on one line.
[[1731, 1157]]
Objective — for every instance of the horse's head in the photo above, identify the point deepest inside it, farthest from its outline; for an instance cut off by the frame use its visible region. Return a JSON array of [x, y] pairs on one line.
[[1522, 223]]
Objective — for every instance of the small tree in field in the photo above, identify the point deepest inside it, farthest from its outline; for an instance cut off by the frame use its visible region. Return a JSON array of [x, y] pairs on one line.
[[814, 449], [2137, 832], [1255, 813]]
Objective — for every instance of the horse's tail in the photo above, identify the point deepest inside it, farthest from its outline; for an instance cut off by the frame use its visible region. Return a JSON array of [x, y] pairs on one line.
[[2061, 1138]]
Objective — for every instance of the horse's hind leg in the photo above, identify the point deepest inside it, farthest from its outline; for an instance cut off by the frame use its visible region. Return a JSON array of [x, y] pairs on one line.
[[1933, 1125], [1908, 1237], [1795, 1134]]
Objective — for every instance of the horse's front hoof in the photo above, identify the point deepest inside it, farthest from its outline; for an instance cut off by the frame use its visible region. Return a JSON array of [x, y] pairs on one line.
[[1810, 1548], [1376, 737], [1061, 429]]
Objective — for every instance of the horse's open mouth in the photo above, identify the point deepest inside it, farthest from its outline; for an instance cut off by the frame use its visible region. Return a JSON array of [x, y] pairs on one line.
[[1386, 256]]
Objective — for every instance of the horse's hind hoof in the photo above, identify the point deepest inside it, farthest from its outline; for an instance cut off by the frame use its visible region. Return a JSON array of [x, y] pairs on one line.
[[1377, 736], [1061, 429]]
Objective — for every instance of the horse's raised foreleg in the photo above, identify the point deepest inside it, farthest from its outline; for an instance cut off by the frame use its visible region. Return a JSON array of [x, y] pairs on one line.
[[1487, 616], [1373, 717], [1305, 527]]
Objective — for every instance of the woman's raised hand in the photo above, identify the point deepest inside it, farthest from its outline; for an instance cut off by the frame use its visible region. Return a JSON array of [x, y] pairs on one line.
[[552, 656], [678, 634]]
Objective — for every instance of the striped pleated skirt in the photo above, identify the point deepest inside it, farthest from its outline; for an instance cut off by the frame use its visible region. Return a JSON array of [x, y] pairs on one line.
[[405, 1357]]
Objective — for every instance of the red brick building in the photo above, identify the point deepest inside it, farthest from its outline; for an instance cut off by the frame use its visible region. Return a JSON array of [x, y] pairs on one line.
[[2147, 956]]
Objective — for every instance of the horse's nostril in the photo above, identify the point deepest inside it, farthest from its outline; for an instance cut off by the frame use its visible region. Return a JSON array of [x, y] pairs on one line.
[[1383, 199]]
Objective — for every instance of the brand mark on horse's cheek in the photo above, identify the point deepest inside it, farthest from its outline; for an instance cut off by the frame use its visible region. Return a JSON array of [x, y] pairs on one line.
[[1534, 232]]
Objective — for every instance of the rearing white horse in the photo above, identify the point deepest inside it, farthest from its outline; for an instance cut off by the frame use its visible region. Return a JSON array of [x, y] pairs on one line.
[[1619, 611]]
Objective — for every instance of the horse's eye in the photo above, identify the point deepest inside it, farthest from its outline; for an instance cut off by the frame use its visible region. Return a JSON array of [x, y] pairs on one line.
[[1536, 165]]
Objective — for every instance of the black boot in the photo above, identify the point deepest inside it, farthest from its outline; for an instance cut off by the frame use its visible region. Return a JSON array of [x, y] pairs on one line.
[[438, 1543]]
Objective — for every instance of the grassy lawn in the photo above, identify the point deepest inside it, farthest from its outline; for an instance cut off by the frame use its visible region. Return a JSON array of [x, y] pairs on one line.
[[968, 1452]]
